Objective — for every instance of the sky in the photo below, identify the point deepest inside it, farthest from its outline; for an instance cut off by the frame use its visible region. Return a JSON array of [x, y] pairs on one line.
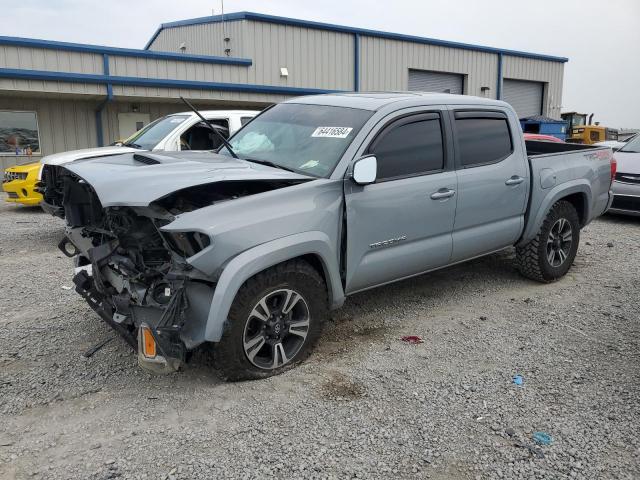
[[601, 38]]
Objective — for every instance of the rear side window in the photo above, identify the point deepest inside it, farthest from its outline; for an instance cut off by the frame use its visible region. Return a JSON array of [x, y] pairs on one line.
[[482, 140], [412, 146]]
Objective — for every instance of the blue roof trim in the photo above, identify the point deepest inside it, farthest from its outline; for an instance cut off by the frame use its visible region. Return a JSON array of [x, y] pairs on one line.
[[354, 30], [123, 52], [155, 82]]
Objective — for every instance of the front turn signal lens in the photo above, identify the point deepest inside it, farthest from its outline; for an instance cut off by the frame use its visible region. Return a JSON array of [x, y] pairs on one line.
[[148, 342]]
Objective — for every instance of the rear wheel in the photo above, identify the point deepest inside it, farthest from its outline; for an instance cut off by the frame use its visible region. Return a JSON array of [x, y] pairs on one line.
[[551, 253], [274, 322]]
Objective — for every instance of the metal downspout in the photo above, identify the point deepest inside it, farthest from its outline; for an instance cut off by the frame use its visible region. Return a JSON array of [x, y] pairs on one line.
[[499, 82], [356, 62], [102, 105]]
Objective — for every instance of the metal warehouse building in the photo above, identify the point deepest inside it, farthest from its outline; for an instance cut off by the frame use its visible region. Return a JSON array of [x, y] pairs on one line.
[[57, 96]]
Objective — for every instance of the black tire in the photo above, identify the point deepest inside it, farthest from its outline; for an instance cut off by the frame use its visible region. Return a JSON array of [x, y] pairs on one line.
[[533, 259], [230, 355]]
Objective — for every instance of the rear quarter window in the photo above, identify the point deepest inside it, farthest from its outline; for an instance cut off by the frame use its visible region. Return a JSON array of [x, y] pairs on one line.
[[482, 141]]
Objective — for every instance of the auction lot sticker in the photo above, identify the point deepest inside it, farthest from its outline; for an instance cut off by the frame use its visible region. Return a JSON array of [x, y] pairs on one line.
[[332, 132]]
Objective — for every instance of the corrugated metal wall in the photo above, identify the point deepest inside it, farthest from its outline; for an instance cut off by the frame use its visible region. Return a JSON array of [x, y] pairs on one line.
[[385, 64], [202, 39], [90, 63], [52, 60], [315, 58], [550, 73], [62, 124]]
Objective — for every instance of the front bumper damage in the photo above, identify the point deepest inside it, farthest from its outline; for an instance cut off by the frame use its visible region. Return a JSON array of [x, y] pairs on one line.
[[147, 272], [170, 300]]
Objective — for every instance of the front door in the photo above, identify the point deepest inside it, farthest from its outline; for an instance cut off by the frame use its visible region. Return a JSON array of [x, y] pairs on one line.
[[493, 180], [401, 225]]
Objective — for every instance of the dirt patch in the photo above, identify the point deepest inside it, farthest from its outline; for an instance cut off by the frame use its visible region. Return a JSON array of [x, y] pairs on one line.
[[341, 387]]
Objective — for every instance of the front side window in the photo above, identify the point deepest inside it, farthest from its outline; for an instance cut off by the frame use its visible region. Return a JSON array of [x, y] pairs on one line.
[[308, 139], [410, 147], [201, 137], [152, 134], [19, 132], [482, 140]]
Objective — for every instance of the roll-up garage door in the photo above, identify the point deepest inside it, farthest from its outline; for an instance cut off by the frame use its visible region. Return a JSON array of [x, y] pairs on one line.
[[525, 97], [423, 81]]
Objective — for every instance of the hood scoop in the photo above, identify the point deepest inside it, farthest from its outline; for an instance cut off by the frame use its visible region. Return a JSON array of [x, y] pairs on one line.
[[151, 159]]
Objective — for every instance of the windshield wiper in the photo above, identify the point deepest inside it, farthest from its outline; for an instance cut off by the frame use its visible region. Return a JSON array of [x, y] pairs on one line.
[[269, 164], [210, 125], [132, 145]]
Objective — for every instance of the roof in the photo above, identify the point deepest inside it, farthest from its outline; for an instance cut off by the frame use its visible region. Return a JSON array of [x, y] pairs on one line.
[[378, 100], [260, 17], [123, 52]]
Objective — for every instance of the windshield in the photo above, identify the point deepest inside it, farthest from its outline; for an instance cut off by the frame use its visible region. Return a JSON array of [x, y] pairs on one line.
[[308, 139], [578, 120], [632, 146], [148, 137]]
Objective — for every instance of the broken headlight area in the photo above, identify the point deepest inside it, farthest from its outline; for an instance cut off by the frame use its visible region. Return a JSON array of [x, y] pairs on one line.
[[187, 244], [137, 278]]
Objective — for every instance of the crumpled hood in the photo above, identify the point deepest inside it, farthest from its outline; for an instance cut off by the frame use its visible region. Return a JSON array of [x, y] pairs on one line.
[[628, 162], [124, 180]]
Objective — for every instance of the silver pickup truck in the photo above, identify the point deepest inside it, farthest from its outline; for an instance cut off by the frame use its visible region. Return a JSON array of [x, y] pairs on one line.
[[316, 199]]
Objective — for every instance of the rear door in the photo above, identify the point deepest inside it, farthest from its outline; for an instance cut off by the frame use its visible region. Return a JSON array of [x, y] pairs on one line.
[[493, 182], [401, 225]]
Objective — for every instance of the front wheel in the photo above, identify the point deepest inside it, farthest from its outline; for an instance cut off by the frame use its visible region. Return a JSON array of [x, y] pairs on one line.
[[551, 253], [274, 322]]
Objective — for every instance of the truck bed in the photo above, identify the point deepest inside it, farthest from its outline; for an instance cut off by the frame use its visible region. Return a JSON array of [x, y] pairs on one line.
[[561, 169], [536, 148]]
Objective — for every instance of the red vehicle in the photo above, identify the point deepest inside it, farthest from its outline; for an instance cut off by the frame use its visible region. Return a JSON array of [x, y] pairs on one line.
[[542, 138]]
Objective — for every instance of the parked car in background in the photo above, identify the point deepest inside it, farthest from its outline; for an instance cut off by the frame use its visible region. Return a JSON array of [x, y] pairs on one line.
[[318, 198], [175, 132], [626, 186], [616, 145], [19, 182], [542, 138]]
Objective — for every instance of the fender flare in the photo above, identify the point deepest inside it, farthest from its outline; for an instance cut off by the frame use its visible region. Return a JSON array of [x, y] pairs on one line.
[[259, 258], [550, 199]]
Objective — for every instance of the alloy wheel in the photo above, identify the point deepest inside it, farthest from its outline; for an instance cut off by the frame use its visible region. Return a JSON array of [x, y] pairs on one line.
[[276, 329], [559, 242]]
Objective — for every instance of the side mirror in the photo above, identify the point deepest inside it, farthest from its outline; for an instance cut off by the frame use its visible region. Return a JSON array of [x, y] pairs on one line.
[[365, 170]]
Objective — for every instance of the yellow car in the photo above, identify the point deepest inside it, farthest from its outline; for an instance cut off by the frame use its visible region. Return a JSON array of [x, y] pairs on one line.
[[20, 182]]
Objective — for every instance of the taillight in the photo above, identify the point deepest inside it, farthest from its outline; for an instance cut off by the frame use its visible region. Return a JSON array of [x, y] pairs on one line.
[[614, 168]]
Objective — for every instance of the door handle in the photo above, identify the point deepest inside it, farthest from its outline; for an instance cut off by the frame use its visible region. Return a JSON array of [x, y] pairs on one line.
[[443, 193], [515, 180]]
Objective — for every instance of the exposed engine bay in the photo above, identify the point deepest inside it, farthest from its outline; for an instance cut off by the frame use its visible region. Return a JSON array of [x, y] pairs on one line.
[[135, 275]]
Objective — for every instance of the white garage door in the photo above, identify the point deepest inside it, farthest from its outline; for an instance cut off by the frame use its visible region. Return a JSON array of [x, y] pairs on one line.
[[524, 97], [423, 81]]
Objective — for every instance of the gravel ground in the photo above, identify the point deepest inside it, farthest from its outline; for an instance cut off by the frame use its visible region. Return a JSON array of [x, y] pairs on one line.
[[365, 405]]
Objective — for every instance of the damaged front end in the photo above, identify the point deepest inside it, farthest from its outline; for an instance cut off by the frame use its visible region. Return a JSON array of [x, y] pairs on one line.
[[137, 277], [150, 281]]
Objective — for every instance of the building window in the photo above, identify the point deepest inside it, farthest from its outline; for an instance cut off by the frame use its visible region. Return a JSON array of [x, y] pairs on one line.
[[19, 132]]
